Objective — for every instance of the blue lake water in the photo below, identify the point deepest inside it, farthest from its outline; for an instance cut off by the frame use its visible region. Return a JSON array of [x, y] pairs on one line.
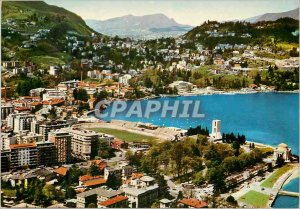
[[292, 186], [270, 118], [287, 201]]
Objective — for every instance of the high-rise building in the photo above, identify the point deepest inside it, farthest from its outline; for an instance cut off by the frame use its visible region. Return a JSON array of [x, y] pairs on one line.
[[5, 158], [62, 141], [20, 121], [216, 131], [23, 155], [84, 143], [44, 127], [6, 109], [46, 153]]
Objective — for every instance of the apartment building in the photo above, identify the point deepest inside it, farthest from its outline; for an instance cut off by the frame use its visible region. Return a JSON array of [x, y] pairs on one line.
[[46, 153], [43, 127], [23, 155], [84, 143], [62, 141], [20, 121], [6, 109]]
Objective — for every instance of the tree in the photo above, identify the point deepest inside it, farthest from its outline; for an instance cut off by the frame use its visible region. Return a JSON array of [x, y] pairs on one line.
[[70, 193], [177, 155], [257, 79], [231, 200], [199, 180], [113, 181], [216, 177], [230, 164], [82, 95], [236, 146], [280, 161], [49, 191], [94, 170], [213, 155], [92, 205], [163, 187], [100, 96]]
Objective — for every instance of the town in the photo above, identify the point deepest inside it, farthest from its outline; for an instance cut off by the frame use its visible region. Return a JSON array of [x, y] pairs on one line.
[[56, 153]]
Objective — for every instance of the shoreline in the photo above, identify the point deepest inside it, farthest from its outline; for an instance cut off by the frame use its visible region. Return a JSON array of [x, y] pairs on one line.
[[209, 93], [295, 175]]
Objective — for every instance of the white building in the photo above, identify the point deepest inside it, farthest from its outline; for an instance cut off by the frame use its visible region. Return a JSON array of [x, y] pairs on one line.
[[216, 130], [6, 109], [20, 121], [84, 143], [183, 86], [125, 79], [120, 171], [54, 70], [53, 94], [283, 151], [141, 196]]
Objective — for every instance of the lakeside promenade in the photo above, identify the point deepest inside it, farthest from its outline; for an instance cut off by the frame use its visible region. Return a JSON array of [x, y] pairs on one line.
[[271, 192]]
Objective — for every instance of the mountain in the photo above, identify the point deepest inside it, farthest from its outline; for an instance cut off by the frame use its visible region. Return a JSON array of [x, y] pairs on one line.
[[274, 16], [36, 31], [147, 26], [44, 15]]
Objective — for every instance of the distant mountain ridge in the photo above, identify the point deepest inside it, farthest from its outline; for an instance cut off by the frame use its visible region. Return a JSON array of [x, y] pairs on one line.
[[274, 16], [153, 25]]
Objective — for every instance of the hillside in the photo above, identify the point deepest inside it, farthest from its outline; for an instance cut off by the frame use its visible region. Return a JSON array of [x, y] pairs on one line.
[[147, 26], [212, 33], [36, 31], [43, 14], [274, 16]]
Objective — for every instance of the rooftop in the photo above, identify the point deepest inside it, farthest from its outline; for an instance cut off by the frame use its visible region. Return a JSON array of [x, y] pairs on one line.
[[138, 191], [100, 192], [94, 182], [61, 171], [193, 203], [16, 146], [113, 200]]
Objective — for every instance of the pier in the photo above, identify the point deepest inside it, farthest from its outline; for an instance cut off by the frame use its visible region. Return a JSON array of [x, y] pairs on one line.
[[289, 193]]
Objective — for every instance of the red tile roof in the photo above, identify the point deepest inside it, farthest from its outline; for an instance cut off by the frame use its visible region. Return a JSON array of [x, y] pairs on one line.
[[35, 103], [193, 203], [22, 108], [88, 177], [113, 200], [61, 171], [136, 175], [94, 182]]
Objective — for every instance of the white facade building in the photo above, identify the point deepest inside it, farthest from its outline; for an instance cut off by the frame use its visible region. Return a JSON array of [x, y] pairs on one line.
[[216, 130], [125, 79]]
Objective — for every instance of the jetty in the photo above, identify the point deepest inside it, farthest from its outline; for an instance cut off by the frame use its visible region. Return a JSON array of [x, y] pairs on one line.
[[279, 184], [289, 193]]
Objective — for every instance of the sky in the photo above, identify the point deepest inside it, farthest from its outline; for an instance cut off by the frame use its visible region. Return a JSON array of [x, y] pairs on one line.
[[191, 12]]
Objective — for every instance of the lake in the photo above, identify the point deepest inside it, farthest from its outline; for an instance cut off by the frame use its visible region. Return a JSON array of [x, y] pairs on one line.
[[269, 118], [287, 201]]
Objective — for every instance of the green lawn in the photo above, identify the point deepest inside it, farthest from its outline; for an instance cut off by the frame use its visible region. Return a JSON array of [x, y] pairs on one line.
[[275, 176], [9, 192], [126, 135], [47, 60], [256, 199]]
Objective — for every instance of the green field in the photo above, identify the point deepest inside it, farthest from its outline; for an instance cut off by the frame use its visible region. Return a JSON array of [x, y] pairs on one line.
[[126, 135], [256, 199], [275, 176]]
